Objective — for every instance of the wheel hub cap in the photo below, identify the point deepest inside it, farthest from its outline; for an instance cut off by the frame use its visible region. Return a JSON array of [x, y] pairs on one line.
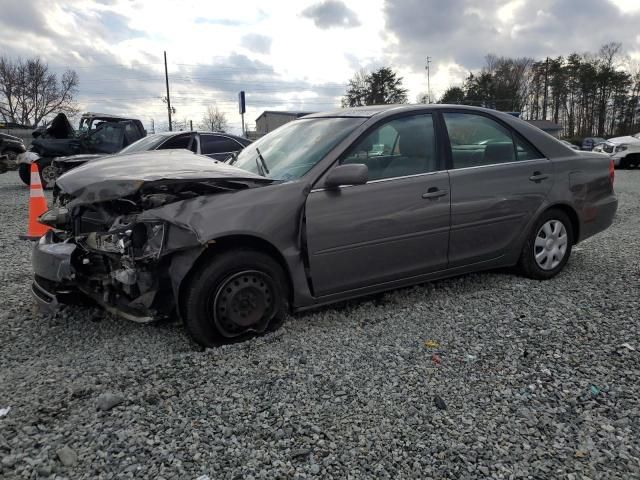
[[245, 301], [550, 245]]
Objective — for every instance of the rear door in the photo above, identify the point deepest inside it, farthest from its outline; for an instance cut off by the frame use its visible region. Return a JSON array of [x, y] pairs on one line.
[[498, 181], [396, 225]]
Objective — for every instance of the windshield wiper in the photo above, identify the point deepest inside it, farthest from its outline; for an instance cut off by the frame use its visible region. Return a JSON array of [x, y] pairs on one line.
[[233, 158], [262, 165]]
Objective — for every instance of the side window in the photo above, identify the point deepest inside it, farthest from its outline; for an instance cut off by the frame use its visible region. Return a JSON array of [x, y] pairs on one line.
[[109, 137], [216, 144], [478, 140], [131, 133], [180, 141], [526, 151], [400, 147]]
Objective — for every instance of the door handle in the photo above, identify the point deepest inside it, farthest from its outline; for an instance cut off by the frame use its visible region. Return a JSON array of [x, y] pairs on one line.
[[538, 177], [434, 192]]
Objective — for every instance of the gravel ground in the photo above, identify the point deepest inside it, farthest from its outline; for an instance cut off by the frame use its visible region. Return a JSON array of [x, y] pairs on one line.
[[487, 375]]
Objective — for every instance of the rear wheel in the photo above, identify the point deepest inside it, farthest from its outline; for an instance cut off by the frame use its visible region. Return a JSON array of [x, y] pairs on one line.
[[548, 246], [235, 293]]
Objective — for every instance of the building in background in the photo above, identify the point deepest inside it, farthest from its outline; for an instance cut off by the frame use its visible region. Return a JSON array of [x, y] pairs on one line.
[[269, 120]]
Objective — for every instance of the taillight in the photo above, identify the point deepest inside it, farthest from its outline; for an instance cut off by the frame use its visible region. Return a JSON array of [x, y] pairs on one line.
[[612, 172]]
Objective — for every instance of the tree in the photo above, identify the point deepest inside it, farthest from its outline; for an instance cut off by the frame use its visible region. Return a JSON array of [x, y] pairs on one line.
[[385, 87], [214, 119], [453, 95], [29, 92], [356, 95], [380, 87]]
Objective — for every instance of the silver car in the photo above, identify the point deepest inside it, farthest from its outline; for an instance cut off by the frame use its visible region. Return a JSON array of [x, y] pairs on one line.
[[326, 208]]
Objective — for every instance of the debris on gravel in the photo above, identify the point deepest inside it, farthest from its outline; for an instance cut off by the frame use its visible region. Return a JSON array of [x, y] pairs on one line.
[[344, 392], [67, 456], [106, 401]]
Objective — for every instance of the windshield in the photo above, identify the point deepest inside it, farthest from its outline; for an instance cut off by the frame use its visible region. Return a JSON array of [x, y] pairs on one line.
[[149, 142], [293, 149]]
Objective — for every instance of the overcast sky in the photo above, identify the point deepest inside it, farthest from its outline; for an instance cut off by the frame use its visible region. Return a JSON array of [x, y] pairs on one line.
[[290, 54]]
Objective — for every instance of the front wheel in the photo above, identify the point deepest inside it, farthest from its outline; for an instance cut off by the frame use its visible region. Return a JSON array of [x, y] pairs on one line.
[[548, 246], [235, 293]]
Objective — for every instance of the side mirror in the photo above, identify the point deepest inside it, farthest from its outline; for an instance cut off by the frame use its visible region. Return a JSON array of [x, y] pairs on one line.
[[350, 174]]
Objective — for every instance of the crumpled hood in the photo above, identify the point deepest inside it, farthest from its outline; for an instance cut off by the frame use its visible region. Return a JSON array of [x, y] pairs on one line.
[[117, 176], [622, 140]]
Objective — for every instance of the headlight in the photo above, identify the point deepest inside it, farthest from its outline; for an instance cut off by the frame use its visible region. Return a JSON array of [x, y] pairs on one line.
[[139, 241], [621, 148], [56, 218]]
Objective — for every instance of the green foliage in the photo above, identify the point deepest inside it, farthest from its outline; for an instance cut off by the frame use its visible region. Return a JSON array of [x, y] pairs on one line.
[[380, 87], [587, 94]]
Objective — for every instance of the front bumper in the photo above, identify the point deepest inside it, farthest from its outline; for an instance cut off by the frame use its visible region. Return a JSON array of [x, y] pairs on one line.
[[53, 282]]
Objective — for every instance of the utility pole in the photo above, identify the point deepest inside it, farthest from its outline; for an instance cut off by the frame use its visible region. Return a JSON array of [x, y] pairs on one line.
[[153, 126], [428, 79], [191, 125], [166, 79]]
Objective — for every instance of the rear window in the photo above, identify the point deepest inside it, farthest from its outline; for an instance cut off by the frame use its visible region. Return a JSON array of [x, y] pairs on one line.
[[210, 144]]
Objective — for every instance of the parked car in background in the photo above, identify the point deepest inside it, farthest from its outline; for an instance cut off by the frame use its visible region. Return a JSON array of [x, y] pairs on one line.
[[216, 145], [329, 207], [624, 151], [97, 133], [570, 145], [589, 143], [10, 148]]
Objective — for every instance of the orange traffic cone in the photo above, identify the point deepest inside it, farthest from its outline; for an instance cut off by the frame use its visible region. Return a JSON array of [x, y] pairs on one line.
[[37, 206]]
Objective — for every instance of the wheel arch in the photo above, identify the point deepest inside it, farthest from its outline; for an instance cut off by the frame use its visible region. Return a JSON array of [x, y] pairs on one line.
[[573, 217], [231, 242]]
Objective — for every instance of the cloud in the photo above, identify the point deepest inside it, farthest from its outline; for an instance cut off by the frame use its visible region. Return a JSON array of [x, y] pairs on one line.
[[465, 31], [331, 13], [256, 43]]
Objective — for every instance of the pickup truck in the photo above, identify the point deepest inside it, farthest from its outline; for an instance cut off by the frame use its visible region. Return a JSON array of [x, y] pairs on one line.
[[97, 133], [624, 151]]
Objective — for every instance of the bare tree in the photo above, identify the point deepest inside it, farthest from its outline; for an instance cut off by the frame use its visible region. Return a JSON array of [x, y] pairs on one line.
[[29, 91], [214, 119]]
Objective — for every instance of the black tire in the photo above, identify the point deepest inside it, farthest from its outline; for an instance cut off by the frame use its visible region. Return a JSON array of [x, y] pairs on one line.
[[528, 264], [258, 297], [24, 172], [624, 163]]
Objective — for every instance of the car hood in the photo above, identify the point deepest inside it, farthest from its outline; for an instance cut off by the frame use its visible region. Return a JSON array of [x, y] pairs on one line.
[[118, 176], [623, 140], [79, 158]]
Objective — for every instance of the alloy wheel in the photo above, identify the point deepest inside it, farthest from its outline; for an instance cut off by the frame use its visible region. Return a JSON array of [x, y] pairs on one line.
[[49, 175], [550, 246]]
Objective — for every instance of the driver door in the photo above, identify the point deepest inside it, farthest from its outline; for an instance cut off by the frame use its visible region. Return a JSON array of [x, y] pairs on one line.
[[393, 227]]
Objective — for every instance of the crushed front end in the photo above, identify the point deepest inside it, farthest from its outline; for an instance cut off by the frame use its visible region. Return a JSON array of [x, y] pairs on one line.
[[106, 255]]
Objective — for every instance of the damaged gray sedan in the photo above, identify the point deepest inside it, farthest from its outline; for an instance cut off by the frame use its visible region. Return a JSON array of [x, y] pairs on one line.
[[326, 208]]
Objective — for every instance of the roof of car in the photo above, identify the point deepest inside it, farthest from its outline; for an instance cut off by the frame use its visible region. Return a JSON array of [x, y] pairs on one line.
[[184, 132], [371, 110]]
